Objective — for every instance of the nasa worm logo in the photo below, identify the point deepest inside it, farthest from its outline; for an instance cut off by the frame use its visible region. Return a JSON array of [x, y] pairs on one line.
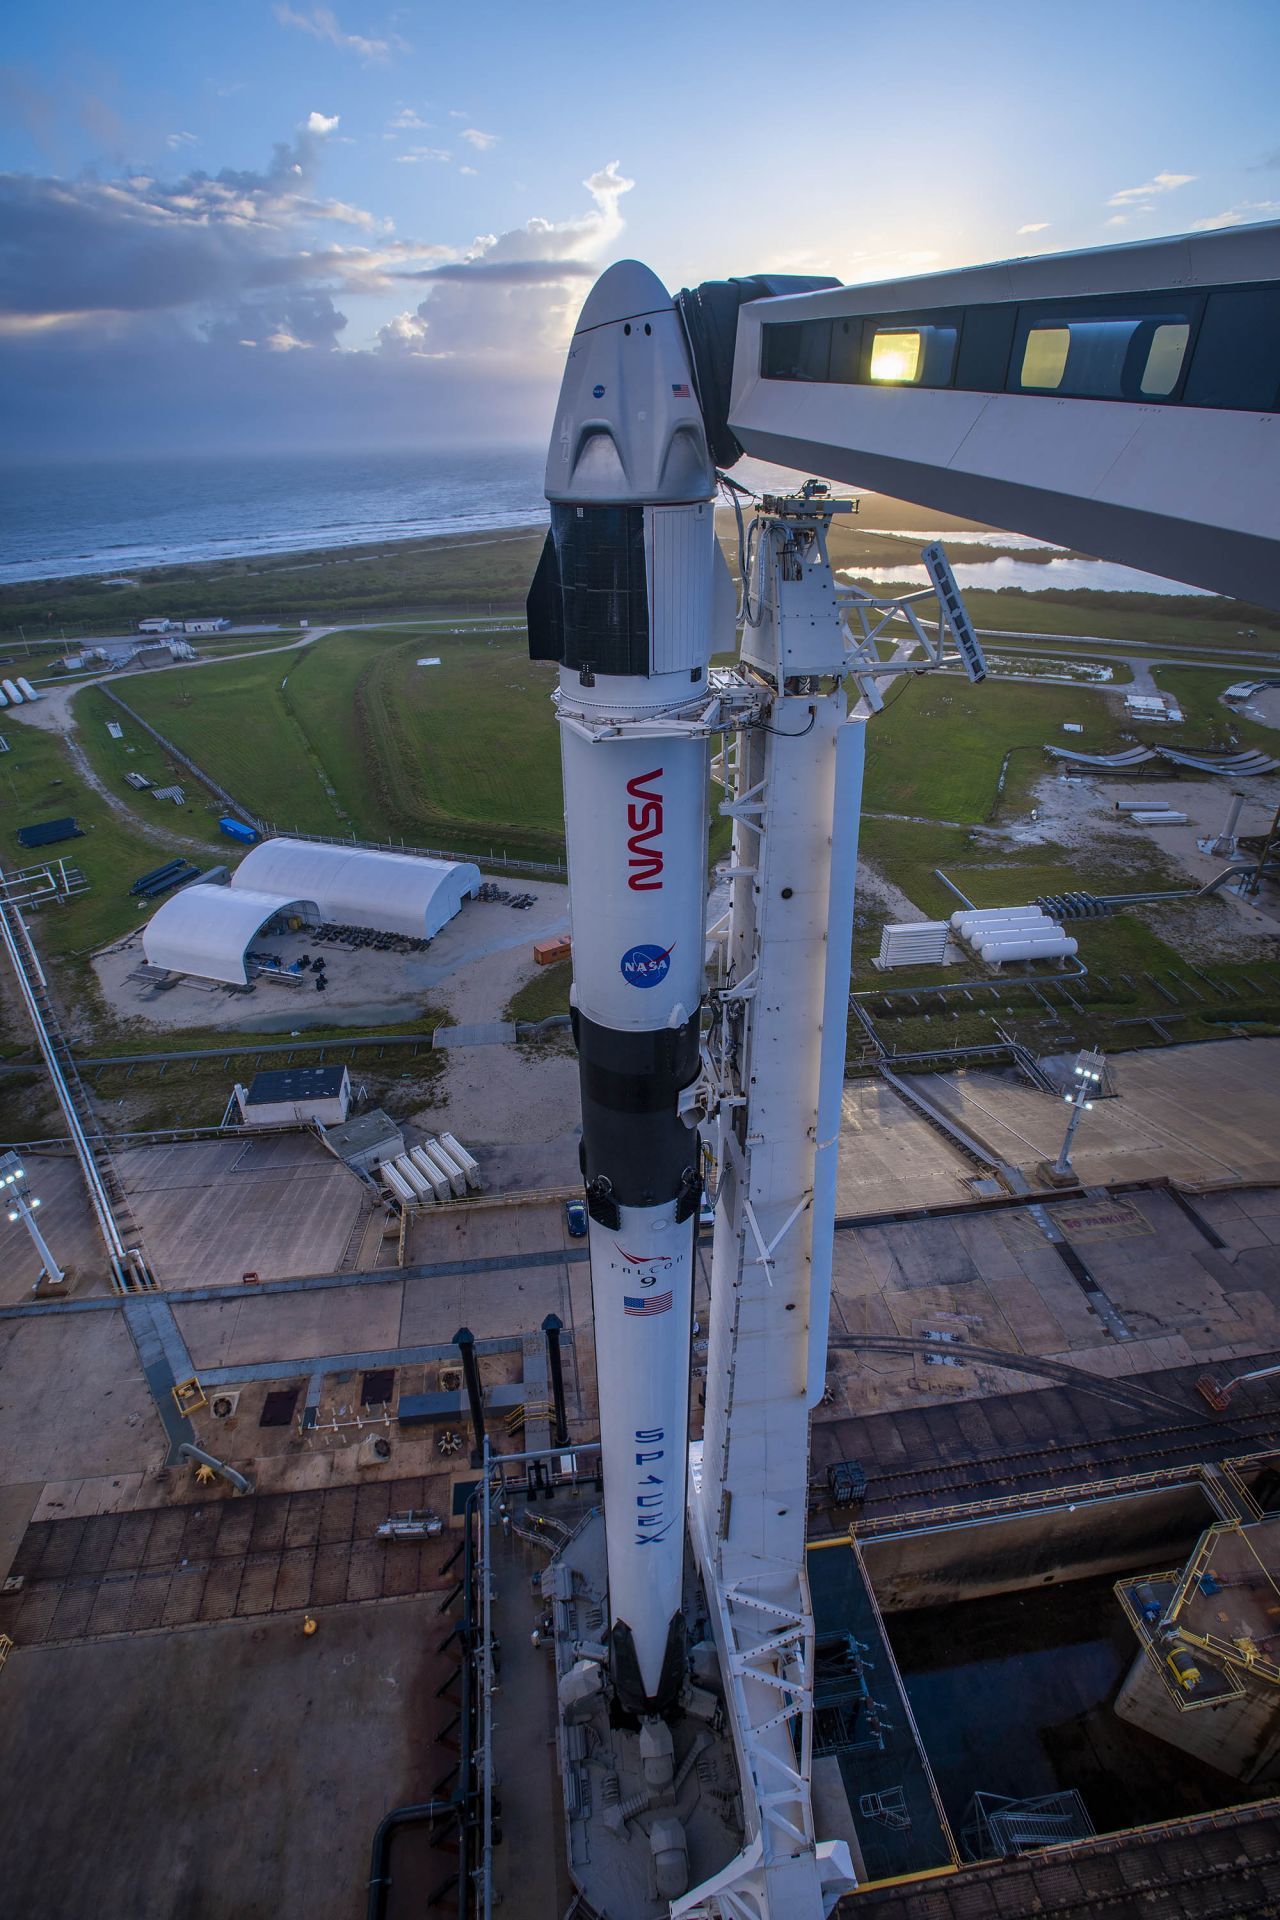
[[646, 966]]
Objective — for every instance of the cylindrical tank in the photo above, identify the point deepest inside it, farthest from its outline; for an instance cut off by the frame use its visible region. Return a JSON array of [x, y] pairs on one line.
[[26, 689], [1055, 946], [973, 929], [431, 1172], [8, 688], [447, 1166], [416, 1180], [396, 1182], [4, 698]]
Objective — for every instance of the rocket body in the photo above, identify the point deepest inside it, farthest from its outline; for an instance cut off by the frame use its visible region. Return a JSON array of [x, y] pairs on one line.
[[624, 600]]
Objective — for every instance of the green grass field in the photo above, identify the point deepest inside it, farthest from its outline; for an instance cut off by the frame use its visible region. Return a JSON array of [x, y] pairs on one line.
[[39, 781], [479, 573], [137, 752], [938, 748], [352, 735]]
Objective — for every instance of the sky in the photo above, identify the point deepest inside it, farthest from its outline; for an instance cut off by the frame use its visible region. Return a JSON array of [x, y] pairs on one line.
[[252, 225]]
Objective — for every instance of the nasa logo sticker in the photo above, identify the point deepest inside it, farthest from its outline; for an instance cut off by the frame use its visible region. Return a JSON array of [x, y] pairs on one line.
[[646, 966], [597, 393]]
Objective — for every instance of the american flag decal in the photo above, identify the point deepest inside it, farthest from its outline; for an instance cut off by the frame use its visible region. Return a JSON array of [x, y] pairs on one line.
[[681, 393], [644, 1308]]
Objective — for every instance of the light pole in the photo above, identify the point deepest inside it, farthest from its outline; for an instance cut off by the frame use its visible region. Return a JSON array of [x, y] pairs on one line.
[[1086, 1082], [22, 1206]]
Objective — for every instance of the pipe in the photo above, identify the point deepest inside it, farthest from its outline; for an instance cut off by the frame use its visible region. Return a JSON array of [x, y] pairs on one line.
[[187, 1451], [380, 1854], [551, 1327], [465, 1341]]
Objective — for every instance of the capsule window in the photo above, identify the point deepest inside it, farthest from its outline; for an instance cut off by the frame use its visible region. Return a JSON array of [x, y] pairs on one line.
[[1044, 358], [1165, 356]]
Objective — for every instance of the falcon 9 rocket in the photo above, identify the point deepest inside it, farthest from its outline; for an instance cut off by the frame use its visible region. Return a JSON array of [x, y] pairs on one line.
[[625, 599]]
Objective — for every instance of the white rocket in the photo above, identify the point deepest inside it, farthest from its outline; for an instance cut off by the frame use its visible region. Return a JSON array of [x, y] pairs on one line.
[[623, 599]]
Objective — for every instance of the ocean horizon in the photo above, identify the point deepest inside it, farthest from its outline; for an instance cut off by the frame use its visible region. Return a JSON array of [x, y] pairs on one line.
[[111, 518], [106, 517]]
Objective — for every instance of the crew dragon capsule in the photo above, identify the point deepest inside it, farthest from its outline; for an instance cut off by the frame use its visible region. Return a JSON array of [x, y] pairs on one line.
[[631, 597]]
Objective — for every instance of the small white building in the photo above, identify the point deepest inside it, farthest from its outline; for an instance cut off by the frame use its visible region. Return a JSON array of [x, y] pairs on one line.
[[296, 1096], [205, 626], [1153, 706], [155, 626]]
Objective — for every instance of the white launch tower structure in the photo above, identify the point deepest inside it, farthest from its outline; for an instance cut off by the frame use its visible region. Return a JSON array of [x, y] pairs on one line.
[[724, 1047]]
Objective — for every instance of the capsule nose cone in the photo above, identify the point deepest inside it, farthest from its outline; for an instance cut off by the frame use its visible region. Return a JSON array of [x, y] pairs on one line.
[[624, 291]]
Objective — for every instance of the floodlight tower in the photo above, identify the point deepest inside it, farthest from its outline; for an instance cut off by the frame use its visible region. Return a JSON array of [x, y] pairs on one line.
[[1086, 1080], [22, 1206]]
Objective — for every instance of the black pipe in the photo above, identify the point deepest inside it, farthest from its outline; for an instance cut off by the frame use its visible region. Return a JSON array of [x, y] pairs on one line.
[[380, 1856], [551, 1327], [465, 1341], [461, 1803]]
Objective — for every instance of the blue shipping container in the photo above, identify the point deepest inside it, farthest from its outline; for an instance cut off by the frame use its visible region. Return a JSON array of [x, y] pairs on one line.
[[237, 830]]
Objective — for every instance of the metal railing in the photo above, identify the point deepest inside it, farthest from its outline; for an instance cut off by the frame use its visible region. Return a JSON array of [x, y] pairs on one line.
[[129, 1270]]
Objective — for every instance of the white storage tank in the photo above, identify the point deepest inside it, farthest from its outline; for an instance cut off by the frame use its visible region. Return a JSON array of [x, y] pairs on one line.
[[470, 1168], [1057, 946], [396, 1183], [14, 697], [431, 1173], [448, 1166], [972, 928], [422, 1187], [4, 698], [26, 689]]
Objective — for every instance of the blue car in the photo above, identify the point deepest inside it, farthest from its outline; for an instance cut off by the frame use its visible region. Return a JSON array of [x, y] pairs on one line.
[[575, 1218]]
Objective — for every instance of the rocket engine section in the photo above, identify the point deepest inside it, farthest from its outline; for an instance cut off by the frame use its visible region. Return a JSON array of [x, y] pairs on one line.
[[625, 598]]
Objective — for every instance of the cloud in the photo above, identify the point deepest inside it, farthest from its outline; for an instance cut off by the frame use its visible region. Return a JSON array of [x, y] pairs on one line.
[[408, 118], [138, 310], [1159, 183], [1034, 226], [414, 154], [322, 24], [513, 298], [508, 273], [471, 170], [1122, 219], [199, 243], [176, 140], [480, 141], [321, 122], [1240, 216]]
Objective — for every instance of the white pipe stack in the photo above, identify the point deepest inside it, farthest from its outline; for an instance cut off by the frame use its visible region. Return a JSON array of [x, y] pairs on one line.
[[459, 1154], [447, 1166], [396, 1183], [431, 1173]]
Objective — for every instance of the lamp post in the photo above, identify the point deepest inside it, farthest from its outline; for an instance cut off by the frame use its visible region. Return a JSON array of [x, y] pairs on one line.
[[22, 1206], [1086, 1081]]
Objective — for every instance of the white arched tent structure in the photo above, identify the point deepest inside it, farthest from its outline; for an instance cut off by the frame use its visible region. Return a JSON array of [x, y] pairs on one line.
[[206, 930], [361, 886]]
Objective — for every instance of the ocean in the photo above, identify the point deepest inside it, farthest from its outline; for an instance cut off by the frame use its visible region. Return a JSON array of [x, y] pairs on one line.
[[113, 518], [116, 516]]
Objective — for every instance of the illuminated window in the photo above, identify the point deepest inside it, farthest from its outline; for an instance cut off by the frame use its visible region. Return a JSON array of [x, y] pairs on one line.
[[1045, 359], [895, 356], [1164, 361]]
